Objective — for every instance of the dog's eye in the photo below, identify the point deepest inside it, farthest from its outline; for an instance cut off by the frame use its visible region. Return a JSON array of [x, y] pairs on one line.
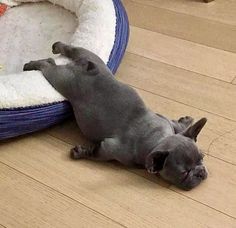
[[200, 161], [201, 156]]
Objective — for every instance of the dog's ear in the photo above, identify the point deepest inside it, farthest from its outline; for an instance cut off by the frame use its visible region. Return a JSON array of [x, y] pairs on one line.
[[88, 66], [193, 131], [155, 161]]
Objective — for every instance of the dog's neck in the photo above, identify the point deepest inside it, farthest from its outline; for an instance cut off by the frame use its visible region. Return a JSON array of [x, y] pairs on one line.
[[159, 128]]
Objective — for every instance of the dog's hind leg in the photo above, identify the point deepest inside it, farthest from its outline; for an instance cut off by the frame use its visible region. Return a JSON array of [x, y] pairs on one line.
[[76, 54], [66, 50], [181, 124]]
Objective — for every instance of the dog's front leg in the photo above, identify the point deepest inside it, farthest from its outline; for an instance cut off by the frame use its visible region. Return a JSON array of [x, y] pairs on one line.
[[66, 50], [107, 150]]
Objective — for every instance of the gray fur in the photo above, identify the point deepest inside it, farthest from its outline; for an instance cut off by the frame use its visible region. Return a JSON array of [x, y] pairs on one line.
[[114, 117]]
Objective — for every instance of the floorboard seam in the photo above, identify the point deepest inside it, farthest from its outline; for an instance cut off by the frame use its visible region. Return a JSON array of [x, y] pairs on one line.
[[181, 68], [61, 193], [206, 205], [216, 139], [232, 82], [179, 102], [191, 15]]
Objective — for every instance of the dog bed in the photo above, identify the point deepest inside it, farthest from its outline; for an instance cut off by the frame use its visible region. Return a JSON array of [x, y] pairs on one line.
[[28, 102]]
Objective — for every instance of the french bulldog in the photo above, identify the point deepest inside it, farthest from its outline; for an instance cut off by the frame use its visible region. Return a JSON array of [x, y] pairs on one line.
[[114, 117]]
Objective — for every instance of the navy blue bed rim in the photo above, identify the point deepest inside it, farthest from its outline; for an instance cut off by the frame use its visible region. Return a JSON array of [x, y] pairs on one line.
[[20, 121]]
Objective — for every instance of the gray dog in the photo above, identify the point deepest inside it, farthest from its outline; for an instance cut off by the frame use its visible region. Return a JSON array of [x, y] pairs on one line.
[[114, 117]]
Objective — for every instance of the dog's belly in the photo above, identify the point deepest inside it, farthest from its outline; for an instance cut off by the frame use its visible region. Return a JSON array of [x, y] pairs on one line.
[[96, 123], [94, 129], [104, 113]]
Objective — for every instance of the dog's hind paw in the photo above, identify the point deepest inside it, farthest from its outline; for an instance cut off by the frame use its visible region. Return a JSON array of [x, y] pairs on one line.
[[56, 48], [187, 121]]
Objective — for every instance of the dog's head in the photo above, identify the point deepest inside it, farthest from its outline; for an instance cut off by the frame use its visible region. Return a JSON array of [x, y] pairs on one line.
[[178, 160]]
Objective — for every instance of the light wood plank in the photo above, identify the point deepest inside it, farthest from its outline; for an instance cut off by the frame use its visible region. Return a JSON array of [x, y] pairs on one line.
[[189, 88], [135, 201], [27, 203], [218, 188], [183, 54], [224, 146], [219, 10], [234, 81], [199, 30]]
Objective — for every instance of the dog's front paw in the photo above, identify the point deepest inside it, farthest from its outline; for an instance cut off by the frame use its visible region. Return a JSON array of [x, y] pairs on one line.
[[28, 66], [187, 120], [75, 153], [80, 152], [56, 48]]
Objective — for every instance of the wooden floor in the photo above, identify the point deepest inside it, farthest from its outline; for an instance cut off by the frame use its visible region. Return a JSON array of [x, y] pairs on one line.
[[182, 60]]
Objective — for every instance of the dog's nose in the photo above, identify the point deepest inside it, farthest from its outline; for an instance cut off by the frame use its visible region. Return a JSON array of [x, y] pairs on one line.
[[201, 172]]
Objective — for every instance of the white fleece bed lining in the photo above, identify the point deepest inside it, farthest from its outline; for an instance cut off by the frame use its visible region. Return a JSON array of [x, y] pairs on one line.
[[95, 32]]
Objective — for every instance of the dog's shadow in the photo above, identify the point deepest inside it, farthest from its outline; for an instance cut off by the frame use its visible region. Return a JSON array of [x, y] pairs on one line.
[[126, 176]]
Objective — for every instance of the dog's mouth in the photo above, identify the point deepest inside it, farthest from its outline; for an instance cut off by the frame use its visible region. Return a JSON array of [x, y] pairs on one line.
[[185, 175], [191, 178]]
